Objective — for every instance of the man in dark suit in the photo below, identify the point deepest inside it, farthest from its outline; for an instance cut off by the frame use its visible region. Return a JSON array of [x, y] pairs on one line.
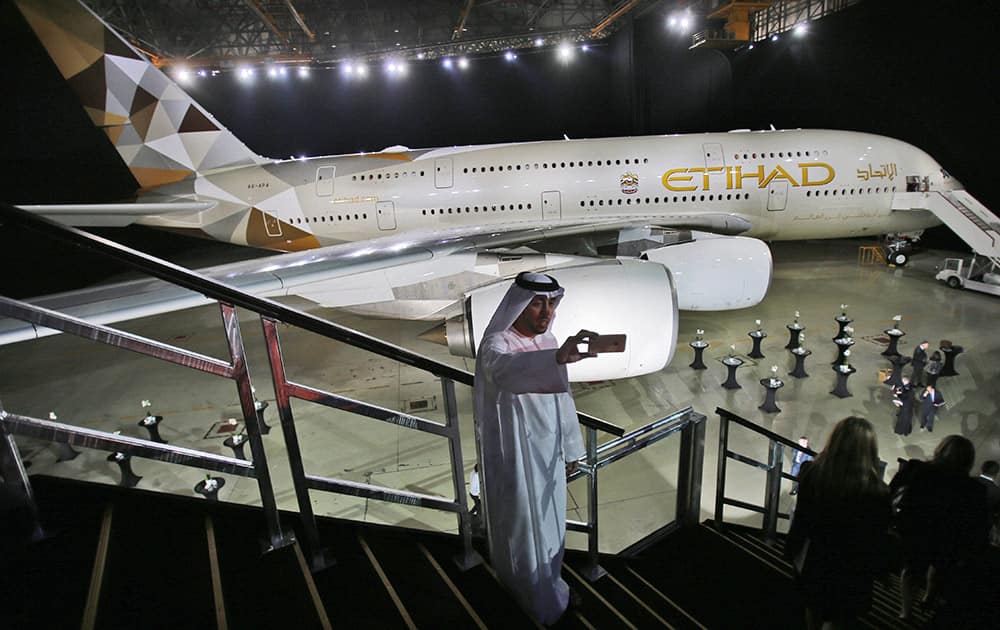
[[918, 363], [988, 477], [930, 400]]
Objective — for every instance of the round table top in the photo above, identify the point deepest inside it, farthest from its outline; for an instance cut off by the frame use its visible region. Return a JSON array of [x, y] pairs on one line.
[[894, 332], [801, 351], [698, 344], [844, 341], [844, 369], [200, 486], [757, 333], [843, 318], [795, 327], [772, 383], [733, 361]]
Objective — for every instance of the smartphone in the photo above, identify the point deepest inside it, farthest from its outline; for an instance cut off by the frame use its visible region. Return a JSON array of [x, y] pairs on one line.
[[606, 343]]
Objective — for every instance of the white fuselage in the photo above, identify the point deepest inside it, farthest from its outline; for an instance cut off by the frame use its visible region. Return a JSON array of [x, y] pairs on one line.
[[787, 184]]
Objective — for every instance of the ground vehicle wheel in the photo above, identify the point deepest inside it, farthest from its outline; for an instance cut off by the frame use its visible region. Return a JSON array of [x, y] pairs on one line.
[[898, 258], [954, 282]]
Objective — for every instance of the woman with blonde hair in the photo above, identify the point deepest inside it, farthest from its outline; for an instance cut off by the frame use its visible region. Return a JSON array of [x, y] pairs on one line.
[[840, 526]]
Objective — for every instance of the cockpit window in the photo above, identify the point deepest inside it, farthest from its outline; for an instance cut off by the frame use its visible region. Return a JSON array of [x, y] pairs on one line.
[[945, 174]]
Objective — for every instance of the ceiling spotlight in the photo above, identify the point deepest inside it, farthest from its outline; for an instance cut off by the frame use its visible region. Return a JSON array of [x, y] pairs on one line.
[[202, 73], [585, 47], [539, 42], [361, 70], [421, 55], [272, 72], [672, 21], [463, 63], [565, 52], [447, 63], [800, 29], [348, 69], [774, 38], [750, 47], [282, 71], [510, 55], [391, 67], [183, 76], [303, 72]]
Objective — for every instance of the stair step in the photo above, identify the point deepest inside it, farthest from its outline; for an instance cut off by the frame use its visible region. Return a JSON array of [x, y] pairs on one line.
[[630, 592], [426, 596], [156, 565], [72, 522], [491, 601], [261, 590], [351, 590], [718, 585]]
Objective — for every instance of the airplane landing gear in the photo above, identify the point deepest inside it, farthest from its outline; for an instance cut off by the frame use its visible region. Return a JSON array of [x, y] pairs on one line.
[[898, 249]]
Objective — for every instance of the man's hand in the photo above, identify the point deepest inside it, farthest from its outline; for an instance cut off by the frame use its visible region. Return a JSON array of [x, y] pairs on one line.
[[570, 353], [571, 467]]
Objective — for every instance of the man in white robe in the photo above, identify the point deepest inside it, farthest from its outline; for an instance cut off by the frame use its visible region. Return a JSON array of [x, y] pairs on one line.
[[529, 436]]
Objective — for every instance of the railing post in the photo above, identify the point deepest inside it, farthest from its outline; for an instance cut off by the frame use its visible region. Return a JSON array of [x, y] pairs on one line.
[[320, 557], [469, 557], [773, 490], [593, 571], [689, 470], [720, 477], [241, 374], [16, 477]]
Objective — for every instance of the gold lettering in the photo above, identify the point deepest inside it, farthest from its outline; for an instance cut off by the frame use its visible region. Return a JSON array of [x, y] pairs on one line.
[[709, 171], [778, 173], [805, 166], [758, 175], [673, 175]]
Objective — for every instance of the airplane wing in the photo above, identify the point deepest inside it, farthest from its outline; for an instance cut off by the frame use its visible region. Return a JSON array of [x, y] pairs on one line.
[[424, 272], [112, 214]]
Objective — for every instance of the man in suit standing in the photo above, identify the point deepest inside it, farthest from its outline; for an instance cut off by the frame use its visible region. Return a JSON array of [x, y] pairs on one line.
[[930, 400], [918, 363]]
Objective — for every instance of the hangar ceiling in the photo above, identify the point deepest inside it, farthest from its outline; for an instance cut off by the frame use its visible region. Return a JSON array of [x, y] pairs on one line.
[[224, 32]]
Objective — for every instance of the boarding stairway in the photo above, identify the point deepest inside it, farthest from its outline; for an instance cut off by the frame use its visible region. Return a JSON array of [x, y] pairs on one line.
[[962, 213], [197, 564]]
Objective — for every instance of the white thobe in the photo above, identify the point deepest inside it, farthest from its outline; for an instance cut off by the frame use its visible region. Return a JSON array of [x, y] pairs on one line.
[[528, 428]]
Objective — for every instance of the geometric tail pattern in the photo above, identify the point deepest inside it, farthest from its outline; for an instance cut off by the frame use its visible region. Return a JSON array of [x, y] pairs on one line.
[[161, 133]]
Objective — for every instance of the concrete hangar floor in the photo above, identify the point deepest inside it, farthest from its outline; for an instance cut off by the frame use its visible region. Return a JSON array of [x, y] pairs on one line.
[[101, 387]]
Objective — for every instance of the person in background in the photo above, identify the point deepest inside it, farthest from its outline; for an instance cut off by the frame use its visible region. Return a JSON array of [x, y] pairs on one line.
[[933, 369], [930, 400], [903, 400], [839, 529], [918, 363], [941, 517], [988, 478], [800, 458]]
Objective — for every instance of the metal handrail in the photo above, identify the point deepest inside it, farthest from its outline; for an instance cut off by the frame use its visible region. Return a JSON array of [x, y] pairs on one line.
[[236, 370], [691, 425], [270, 313], [773, 468], [194, 281]]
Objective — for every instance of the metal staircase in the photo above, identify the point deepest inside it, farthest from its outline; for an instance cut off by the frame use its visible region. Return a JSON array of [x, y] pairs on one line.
[[964, 214]]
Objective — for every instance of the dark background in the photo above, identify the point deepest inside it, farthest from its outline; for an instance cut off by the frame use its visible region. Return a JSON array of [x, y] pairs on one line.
[[918, 71]]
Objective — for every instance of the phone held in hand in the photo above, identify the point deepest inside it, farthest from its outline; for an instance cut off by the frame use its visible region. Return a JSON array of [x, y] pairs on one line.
[[606, 343]]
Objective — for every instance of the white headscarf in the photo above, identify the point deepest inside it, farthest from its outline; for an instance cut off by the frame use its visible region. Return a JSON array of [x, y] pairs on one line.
[[526, 286]]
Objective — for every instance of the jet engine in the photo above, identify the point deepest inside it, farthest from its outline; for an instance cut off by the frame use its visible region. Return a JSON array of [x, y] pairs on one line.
[[633, 297], [716, 273]]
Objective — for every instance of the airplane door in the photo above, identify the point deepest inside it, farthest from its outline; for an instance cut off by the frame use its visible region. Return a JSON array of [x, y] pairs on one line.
[[442, 173], [386, 212], [271, 224], [551, 205], [713, 155], [777, 195], [324, 180]]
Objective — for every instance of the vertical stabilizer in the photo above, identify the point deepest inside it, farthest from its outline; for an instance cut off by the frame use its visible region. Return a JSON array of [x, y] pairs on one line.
[[160, 132]]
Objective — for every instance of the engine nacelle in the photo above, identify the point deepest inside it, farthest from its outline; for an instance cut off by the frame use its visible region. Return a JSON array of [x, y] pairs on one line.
[[616, 296], [716, 273]]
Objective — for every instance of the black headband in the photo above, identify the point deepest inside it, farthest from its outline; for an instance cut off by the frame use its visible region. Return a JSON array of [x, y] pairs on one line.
[[522, 281]]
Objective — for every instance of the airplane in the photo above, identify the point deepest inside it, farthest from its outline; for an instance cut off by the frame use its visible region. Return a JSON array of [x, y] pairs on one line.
[[636, 228]]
